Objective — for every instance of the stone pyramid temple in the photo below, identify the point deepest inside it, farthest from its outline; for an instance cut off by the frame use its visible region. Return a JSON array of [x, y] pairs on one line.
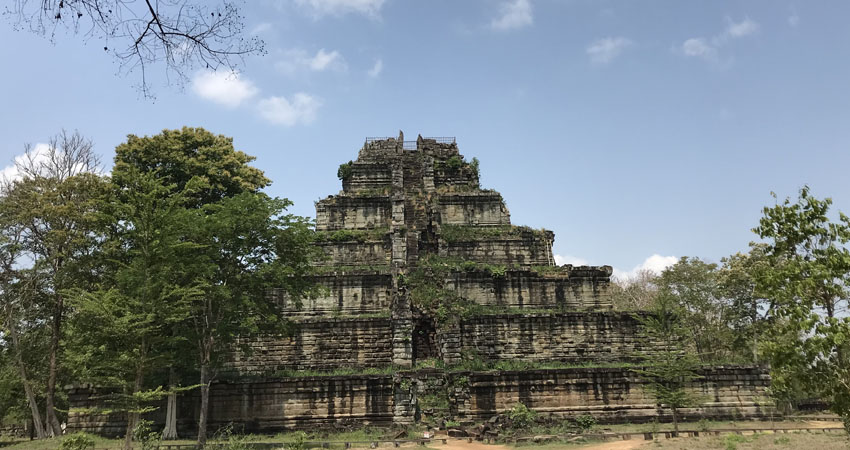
[[435, 304]]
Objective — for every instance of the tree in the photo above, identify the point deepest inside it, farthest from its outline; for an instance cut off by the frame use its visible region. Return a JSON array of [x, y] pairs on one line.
[[694, 285], [182, 34], [250, 246], [669, 368], [808, 282], [248, 243], [634, 294], [178, 157], [53, 208], [123, 329], [747, 307]]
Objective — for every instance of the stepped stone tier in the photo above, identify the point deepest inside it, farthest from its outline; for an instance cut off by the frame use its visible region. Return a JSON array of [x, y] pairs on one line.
[[424, 268]]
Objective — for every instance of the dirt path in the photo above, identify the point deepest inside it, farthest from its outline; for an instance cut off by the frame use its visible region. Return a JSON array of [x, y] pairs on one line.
[[461, 444], [617, 445]]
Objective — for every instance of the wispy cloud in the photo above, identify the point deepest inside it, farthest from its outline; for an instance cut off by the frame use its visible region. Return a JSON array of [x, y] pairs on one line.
[[513, 14], [261, 28], [301, 109], [319, 8], [603, 51], [297, 59], [793, 19], [376, 69], [224, 88], [708, 48]]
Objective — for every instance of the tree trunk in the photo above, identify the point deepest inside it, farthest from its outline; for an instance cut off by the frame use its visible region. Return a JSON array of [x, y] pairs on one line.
[[170, 430], [38, 426], [205, 398], [53, 427], [132, 416], [675, 421]]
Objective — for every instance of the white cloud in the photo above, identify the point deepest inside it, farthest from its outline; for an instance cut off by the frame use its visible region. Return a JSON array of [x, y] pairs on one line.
[[793, 19], [224, 88], [699, 47], [376, 69], [37, 154], [570, 259], [708, 48], [743, 28], [655, 263], [513, 14], [301, 109], [261, 28], [319, 8], [297, 59], [603, 51]]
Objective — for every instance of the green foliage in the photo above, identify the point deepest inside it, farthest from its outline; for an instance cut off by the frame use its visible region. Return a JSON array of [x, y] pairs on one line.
[[808, 282], [228, 439], [521, 417], [474, 167], [668, 368], [585, 422], [467, 233], [345, 170], [375, 234], [437, 401], [145, 436], [190, 157], [731, 441], [454, 163], [298, 441], [77, 441]]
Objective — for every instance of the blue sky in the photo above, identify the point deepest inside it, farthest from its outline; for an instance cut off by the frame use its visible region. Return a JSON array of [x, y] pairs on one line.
[[630, 128]]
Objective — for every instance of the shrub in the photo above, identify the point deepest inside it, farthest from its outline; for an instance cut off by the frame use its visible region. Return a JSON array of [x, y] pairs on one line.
[[454, 163], [585, 422], [77, 441], [298, 442], [521, 416], [144, 435], [345, 170]]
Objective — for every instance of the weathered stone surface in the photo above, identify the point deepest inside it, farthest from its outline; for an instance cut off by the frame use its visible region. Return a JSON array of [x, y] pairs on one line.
[[353, 213], [318, 344], [575, 337], [344, 292], [473, 208], [531, 250], [355, 253], [567, 290], [611, 395]]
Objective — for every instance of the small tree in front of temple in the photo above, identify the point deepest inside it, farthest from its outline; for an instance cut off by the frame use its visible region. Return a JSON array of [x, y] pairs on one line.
[[668, 368]]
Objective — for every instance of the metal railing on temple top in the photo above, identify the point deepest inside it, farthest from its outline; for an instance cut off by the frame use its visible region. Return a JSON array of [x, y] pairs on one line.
[[411, 145]]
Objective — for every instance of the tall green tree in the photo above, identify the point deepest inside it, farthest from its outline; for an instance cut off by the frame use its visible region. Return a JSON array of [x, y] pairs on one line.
[[694, 285], [747, 307], [53, 207], [251, 245], [809, 284], [669, 364], [123, 329], [248, 242]]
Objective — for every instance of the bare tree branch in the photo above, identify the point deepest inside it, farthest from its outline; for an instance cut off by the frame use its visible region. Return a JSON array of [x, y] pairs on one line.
[[182, 34]]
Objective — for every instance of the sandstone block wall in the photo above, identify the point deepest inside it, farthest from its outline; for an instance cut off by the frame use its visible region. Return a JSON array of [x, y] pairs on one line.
[[353, 213], [355, 253], [509, 251], [344, 293], [568, 337], [368, 177], [258, 407], [318, 344], [529, 289], [611, 395], [474, 208]]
